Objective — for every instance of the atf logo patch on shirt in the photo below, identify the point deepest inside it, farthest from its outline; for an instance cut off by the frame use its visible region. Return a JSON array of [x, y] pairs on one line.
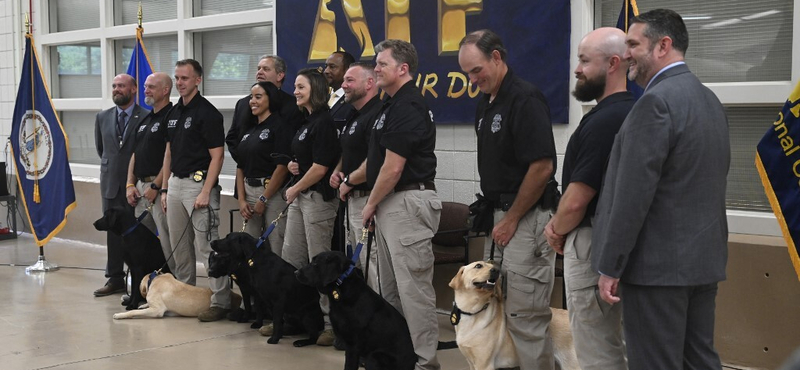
[[496, 123], [379, 122], [155, 126], [353, 128], [172, 123], [480, 122], [142, 127], [244, 137], [303, 135], [264, 134]]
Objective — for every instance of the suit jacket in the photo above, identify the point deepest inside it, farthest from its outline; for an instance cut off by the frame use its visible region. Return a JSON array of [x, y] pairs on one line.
[[114, 158], [661, 215]]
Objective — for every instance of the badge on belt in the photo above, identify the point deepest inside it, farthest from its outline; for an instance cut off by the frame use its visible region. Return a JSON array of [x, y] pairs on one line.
[[266, 183], [198, 176]]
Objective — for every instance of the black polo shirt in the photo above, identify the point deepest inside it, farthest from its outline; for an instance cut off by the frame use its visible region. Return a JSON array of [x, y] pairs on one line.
[[243, 117], [404, 126], [316, 142], [192, 130], [258, 144], [513, 131], [355, 138], [151, 142], [590, 145]]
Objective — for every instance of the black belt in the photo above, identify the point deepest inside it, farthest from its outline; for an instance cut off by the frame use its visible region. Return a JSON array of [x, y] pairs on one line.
[[257, 181], [425, 185], [147, 179], [197, 176]]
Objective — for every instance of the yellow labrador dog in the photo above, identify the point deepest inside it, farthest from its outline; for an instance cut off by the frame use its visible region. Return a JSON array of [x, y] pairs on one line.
[[480, 322], [165, 293]]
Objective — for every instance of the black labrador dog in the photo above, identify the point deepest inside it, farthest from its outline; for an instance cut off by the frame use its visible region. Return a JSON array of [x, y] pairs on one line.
[[224, 264], [141, 248], [370, 327], [274, 281]]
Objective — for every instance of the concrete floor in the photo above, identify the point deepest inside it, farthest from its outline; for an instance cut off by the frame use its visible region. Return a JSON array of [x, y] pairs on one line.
[[52, 321]]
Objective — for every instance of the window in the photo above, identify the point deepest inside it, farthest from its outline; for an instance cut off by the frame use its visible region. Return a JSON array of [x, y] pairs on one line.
[[127, 11], [747, 126], [77, 70], [79, 126], [211, 7], [71, 15], [230, 58], [730, 40]]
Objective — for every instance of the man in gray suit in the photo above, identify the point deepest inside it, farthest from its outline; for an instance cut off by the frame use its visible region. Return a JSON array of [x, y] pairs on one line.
[[661, 227], [113, 137]]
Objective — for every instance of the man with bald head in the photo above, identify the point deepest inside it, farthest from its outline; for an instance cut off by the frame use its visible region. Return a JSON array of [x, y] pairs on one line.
[[113, 137], [596, 324], [144, 175]]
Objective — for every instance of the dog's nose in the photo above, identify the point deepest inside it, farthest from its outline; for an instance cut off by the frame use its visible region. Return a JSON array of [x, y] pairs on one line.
[[493, 270]]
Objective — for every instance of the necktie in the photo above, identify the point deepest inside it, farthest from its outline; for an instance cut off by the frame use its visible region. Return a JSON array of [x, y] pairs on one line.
[[332, 99], [121, 125]]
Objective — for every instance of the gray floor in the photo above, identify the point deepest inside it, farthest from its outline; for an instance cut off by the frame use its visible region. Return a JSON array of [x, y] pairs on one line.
[[52, 321]]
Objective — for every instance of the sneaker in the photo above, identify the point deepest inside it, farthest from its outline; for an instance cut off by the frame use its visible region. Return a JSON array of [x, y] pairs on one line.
[[326, 338], [113, 286], [266, 330], [213, 313]]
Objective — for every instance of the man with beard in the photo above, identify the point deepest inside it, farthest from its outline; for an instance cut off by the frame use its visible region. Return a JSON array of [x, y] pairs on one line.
[[660, 235], [113, 137], [596, 325], [516, 161], [350, 176], [144, 171]]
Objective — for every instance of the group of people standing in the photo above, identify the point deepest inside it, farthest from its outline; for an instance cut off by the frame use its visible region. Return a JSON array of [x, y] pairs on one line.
[[643, 203]]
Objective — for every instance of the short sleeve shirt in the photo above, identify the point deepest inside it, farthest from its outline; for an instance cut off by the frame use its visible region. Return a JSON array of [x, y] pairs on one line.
[[355, 138], [404, 126], [260, 142], [590, 145], [192, 130], [513, 131], [151, 142], [317, 142]]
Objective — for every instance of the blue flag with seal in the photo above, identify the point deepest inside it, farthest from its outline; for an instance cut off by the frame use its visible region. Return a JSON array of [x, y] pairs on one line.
[[777, 160], [629, 10], [40, 150], [139, 67]]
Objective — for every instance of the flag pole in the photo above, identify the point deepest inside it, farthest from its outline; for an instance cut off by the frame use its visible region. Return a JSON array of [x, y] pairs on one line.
[[41, 265]]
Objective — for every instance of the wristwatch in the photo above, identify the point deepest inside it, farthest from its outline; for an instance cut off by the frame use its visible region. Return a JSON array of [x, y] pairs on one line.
[[154, 186], [162, 191], [347, 181], [262, 199]]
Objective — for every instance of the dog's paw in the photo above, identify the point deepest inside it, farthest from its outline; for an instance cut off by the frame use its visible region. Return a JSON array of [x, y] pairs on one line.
[[256, 325], [304, 342], [274, 340], [117, 316]]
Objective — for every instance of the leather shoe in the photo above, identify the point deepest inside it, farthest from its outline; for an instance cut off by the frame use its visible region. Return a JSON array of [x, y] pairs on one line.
[[111, 287]]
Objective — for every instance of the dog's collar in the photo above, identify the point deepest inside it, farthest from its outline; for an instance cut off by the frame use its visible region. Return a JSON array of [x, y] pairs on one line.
[[455, 315], [151, 277], [135, 225]]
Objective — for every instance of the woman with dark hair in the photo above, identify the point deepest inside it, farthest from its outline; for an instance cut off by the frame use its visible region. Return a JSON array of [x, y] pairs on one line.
[[316, 150], [263, 153]]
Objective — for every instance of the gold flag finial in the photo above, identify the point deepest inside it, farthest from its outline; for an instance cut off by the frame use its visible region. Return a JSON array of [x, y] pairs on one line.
[[140, 14], [27, 24]]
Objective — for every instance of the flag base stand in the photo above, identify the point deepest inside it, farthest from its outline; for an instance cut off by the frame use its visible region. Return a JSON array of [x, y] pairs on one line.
[[41, 266]]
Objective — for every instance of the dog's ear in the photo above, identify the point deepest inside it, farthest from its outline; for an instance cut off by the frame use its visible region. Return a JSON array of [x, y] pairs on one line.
[[457, 282]]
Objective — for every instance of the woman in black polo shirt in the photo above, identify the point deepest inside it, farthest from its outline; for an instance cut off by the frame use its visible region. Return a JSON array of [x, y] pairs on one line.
[[315, 147], [260, 174]]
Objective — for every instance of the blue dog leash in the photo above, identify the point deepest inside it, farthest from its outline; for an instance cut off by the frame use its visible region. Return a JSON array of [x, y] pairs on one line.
[[265, 235], [135, 225]]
